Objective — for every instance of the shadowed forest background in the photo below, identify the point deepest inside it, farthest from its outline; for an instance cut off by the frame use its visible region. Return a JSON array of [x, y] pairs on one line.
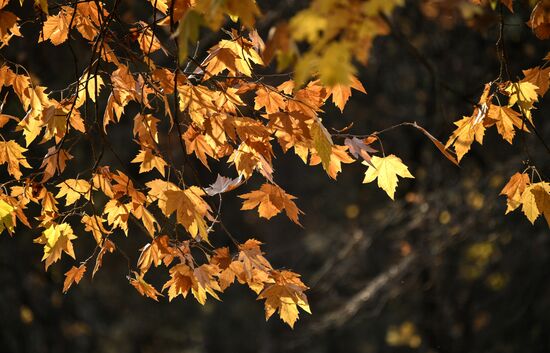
[[441, 269]]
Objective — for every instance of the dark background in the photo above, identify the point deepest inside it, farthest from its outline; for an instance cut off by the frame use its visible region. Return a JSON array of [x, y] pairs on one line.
[[441, 269]]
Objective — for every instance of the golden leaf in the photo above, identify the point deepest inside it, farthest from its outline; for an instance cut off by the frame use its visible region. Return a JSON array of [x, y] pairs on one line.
[[12, 154], [56, 240], [271, 200], [386, 170]]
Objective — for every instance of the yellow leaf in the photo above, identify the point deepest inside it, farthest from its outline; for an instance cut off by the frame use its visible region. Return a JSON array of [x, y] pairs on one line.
[[149, 161], [529, 204], [73, 190], [271, 200], [56, 27], [468, 129], [56, 240], [285, 296], [12, 154], [205, 282], [514, 189], [94, 224], [506, 119], [386, 170], [7, 217], [191, 210], [181, 281], [341, 92], [322, 141], [335, 67]]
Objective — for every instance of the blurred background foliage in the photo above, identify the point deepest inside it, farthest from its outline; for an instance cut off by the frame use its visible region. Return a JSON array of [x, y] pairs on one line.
[[441, 269]]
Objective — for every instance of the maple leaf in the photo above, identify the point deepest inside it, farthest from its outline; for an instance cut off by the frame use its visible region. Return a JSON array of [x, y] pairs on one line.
[[56, 27], [267, 97], [271, 200], [223, 184], [506, 119], [94, 224], [7, 217], [143, 287], [285, 296], [197, 143], [12, 154], [514, 189], [181, 281], [8, 26], [149, 161], [251, 266], [205, 282], [56, 240], [73, 190], [118, 214], [74, 275], [386, 170], [155, 253], [341, 92], [338, 156], [358, 148], [191, 210], [524, 94], [54, 161], [539, 77], [468, 129]]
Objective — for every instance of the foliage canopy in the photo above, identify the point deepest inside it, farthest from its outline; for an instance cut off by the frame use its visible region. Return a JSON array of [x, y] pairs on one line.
[[224, 107]]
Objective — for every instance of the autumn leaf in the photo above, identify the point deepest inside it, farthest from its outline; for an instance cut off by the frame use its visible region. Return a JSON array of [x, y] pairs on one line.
[[149, 161], [342, 92], [338, 156], [73, 190], [94, 225], [205, 282], [106, 246], [181, 281], [514, 189], [529, 204], [191, 210], [539, 77], [267, 97], [506, 120], [271, 200], [57, 238], [468, 129], [322, 141], [74, 275], [56, 27], [12, 154], [143, 287], [7, 217], [541, 191], [285, 296], [386, 170]]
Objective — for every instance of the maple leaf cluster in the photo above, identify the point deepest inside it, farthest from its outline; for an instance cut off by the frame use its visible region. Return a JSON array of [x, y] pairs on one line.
[[215, 108]]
